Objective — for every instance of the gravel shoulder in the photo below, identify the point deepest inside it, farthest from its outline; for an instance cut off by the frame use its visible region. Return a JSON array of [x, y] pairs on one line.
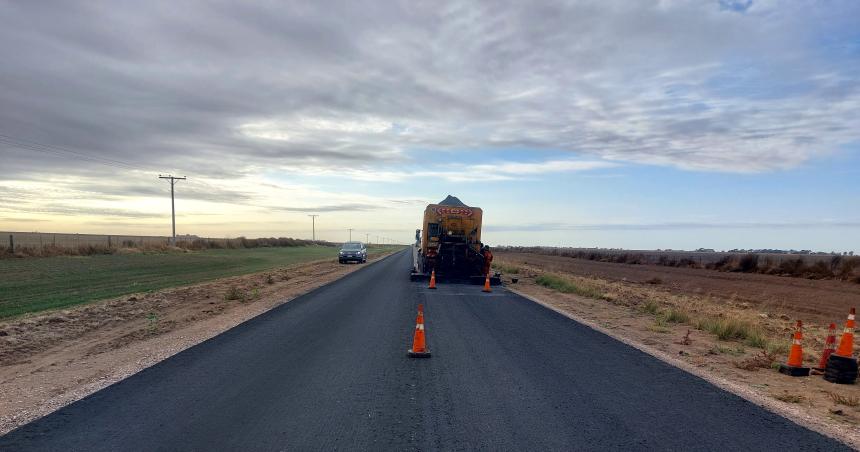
[[49, 360]]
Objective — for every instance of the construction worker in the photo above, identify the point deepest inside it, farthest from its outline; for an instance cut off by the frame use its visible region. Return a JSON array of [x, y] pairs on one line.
[[488, 258]]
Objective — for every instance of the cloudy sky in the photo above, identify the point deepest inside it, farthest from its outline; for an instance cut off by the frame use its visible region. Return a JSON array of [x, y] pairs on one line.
[[638, 124]]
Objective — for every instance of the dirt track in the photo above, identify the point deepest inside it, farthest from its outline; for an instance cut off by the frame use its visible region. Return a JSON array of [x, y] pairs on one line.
[[821, 300]]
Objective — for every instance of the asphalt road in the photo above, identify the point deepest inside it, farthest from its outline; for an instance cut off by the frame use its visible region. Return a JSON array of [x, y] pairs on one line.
[[329, 371]]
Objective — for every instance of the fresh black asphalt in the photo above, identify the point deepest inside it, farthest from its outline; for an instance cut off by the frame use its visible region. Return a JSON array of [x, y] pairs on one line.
[[329, 371]]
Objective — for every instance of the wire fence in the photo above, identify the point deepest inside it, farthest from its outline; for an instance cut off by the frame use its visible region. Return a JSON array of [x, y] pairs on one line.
[[40, 240]]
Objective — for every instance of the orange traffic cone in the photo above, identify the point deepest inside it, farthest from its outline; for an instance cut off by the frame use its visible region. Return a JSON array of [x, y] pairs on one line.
[[432, 280], [794, 366], [419, 318], [846, 344], [829, 346], [487, 284], [841, 366], [419, 346]]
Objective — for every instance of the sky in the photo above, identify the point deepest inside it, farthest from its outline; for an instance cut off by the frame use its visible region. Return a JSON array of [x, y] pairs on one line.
[[645, 124]]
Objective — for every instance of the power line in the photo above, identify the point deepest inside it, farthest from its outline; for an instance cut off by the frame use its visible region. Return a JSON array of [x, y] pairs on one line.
[[60, 151]]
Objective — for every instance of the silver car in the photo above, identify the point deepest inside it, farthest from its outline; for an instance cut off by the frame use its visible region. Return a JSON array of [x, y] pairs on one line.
[[352, 252]]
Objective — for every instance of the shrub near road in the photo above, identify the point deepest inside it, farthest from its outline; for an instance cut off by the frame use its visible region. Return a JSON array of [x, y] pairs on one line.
[[32, 285]]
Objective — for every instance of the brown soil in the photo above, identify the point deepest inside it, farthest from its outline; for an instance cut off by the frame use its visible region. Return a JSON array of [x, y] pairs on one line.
[[49, 360], [619, 293], [819, 300]]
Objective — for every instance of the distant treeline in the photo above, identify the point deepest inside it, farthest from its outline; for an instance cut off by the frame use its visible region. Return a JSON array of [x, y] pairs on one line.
[[126, 246], [817, 266]]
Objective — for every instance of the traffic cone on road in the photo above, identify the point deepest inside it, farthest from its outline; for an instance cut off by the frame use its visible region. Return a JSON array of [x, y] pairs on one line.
[[841, 366], [432, 280], [419, 345], [419, 318], [794, 366], [829, 346], [487, 284]]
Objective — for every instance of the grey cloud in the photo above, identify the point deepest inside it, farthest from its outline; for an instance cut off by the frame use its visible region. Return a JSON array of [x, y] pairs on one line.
[[26, 220], [166, 86], [346, 207], [110, 189], [67, 209], [409, 201]]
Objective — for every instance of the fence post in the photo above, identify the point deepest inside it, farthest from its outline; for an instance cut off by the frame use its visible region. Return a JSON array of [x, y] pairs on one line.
[[11, 243], [109, 244]]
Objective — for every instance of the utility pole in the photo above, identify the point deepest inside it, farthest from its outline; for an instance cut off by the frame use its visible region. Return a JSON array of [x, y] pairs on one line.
[[172, 202], [366, 238], [314, 227], [350, 234]]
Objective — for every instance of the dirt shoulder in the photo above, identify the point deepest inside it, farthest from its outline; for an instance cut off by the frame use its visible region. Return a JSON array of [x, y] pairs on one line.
[[49, 360], [675, 324]]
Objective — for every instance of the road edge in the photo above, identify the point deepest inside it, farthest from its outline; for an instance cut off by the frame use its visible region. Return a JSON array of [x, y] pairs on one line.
[[791, 414]]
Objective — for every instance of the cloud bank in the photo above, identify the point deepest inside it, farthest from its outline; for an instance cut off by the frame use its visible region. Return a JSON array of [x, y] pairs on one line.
[[226, 89]]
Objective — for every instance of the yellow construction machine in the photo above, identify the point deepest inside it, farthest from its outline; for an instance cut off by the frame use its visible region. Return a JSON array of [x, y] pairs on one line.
[[450, 244]]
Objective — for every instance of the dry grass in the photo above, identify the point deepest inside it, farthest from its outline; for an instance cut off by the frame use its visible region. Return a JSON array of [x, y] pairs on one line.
[[763, 360], [234, 293], [565, 285], [504, 268], [840, 399], [724, 320], [659, 326], [722, 350], [650, 307], [790, 398], [677, 315], [728, 329]]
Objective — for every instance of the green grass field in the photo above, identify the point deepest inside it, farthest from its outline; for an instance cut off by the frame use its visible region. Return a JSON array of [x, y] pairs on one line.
[[38, 284]]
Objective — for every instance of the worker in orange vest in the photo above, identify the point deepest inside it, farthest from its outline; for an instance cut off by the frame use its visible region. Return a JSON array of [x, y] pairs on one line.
[[488, 258]]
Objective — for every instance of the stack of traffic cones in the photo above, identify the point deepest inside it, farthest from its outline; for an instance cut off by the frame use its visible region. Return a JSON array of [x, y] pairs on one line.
[[829, 346], [419, 345], [841, 366], [794, 366], [487, 284], [432, 280]]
